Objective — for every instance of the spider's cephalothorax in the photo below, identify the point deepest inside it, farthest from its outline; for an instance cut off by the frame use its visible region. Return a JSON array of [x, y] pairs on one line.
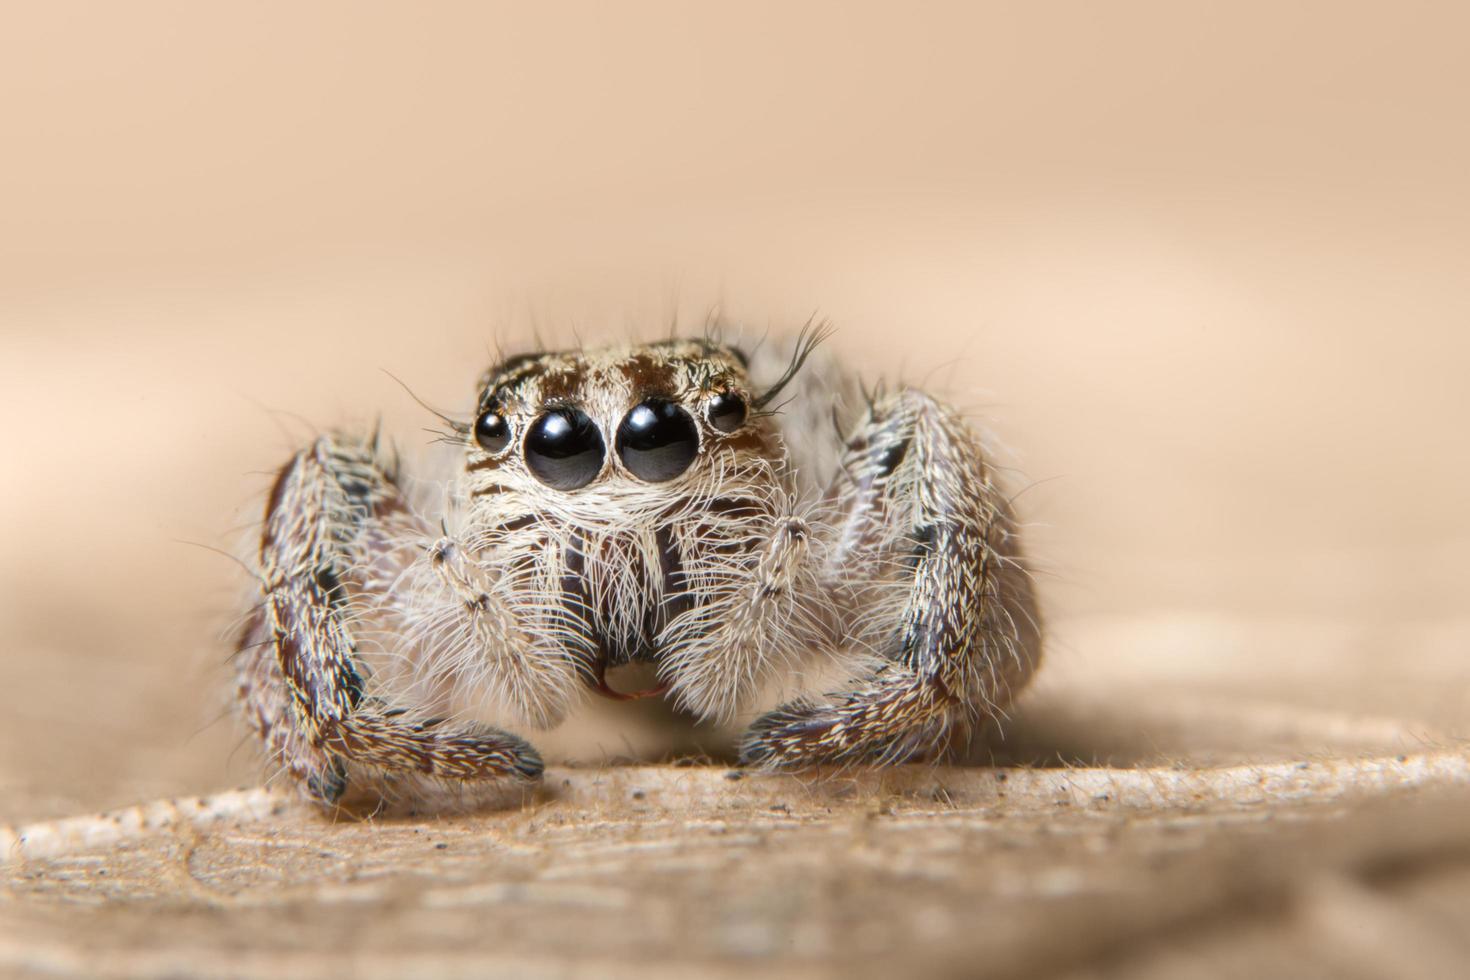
[[641, 503]]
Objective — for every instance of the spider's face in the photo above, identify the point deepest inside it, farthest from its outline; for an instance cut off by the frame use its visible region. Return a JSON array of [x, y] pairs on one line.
[[633, 426]]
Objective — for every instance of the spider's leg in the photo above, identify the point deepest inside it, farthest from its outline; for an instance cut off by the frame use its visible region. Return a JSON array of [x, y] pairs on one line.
[[924, 545], [333, 524]]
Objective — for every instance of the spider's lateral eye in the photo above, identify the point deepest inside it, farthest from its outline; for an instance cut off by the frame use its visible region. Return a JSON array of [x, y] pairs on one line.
[[657, 440], [726, 411], [492, 431], [564, 450]]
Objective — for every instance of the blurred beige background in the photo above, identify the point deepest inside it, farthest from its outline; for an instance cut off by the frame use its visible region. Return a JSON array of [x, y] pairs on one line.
[[1204, 267]]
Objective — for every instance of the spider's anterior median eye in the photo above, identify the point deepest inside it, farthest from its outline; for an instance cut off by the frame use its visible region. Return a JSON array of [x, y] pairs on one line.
[[657, 440], [492, 432], [726, 411], [564, 449]]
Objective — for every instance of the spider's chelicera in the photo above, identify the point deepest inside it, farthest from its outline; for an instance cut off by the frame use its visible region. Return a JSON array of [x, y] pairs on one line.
[[678, 504]]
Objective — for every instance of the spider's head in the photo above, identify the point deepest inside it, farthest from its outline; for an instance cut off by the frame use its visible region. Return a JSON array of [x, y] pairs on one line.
[[620, 425]]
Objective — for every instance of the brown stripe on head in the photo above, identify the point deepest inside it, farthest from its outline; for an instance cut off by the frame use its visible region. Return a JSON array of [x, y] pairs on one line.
[[535, 380], [514, 368], [649, 375], [510, 376], [561, 386]]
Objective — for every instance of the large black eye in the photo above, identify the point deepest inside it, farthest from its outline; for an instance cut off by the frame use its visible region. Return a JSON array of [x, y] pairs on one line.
[[492, 432], [657, 440], [564, 449], [726, 411]]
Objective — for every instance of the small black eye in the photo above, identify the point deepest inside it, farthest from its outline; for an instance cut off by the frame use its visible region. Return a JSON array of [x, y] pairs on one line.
[[657, 440], [564, 449], [492, 432], [726, 411]]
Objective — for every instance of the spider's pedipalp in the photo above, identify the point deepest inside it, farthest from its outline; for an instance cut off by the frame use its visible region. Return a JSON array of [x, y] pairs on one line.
[[755, 622]]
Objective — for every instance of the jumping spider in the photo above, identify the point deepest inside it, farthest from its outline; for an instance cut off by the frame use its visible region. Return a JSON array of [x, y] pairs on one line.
[[647, 503]]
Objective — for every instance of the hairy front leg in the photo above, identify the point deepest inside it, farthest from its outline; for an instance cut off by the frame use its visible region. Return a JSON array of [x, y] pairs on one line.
[[333, 538], [924, 545]]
